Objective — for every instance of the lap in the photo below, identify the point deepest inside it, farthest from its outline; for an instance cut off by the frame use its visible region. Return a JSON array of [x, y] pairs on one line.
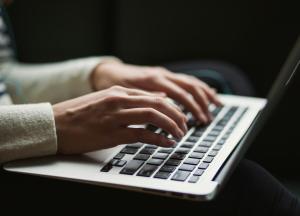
[[250, 191]]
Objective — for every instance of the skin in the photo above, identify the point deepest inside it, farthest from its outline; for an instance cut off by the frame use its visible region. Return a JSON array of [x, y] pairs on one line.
[[130, 95]]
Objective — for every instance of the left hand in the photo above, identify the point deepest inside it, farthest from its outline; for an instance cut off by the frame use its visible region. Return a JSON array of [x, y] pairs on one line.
[[191, 92]]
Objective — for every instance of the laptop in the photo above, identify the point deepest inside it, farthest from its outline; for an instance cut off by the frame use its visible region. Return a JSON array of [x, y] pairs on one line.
[[196, 168]]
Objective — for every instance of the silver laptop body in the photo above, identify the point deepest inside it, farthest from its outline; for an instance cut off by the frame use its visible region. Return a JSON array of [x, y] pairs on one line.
[[196, 168]]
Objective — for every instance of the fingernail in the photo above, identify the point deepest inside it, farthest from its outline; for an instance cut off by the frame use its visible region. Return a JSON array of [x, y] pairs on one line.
[[179, 134], [210, 117], [170, 142]]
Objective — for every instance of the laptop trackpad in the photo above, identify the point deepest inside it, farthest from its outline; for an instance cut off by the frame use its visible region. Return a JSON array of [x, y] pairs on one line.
[[93, 158]]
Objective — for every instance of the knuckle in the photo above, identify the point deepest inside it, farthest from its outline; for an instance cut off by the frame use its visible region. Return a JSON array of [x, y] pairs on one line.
[[194, 89], [184, 94], [159, 102], [150, 113], [114, 101], [117, 88], [152, 77]]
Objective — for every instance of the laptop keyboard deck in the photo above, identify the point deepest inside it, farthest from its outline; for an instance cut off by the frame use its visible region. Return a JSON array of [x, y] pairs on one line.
[[185, 161]]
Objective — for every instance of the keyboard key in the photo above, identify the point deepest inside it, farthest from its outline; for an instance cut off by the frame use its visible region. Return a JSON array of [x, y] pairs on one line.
[[167, 168], [222, 123], [182, 151], [196, 155], [206, 144], [187, 167], [147, 170], [107, 167], [120, 163], [173, 162], [213, 153], [143, 157], [214, 133], [208, 159], [160, 156], [194, 179], [117, 162], [199, 172], [131, 167], [155, 161], [216, 111], [203, 165], [166, 150], [221, 142], [199, 130], [128, 150], [210, 138], [147, 151], [191, 161], [162, 175], [225, 136], [187, 145], [119, 156], [217, 147], [192, 139], [218, 128], [197, 134], [151, 146], [201, 149], [180, 175], [178, 156]]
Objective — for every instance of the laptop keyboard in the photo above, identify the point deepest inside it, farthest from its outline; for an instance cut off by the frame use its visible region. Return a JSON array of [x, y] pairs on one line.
[[185, 161]]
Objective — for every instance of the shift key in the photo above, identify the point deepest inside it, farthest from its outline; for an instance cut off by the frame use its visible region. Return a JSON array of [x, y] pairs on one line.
[[132, 167]]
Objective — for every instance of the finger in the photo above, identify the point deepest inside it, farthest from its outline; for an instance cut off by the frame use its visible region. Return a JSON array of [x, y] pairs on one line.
[[197, 92], [182, 96], [161, 105], [211, 95], [139, 92], [210, 92], [138, 116], [133, 135]]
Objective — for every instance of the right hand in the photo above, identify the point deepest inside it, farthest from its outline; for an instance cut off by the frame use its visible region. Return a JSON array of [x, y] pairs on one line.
[[100, 120]]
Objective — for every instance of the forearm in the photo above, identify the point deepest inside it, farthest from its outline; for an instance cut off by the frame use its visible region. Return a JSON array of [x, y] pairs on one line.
[[26, 131], [54, 82]]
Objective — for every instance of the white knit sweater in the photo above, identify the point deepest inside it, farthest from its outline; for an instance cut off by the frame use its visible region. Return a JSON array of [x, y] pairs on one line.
[[28, 130]]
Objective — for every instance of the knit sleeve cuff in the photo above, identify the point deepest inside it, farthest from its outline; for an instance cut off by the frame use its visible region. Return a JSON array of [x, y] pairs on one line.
[[85, 67], [27, 131]]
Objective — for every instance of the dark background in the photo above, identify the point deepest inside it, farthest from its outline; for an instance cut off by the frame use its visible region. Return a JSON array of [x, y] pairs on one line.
[[254, 35]]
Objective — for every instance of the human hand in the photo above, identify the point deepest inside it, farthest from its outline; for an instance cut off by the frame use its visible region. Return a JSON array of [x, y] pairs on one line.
[[191, 92], [100, 120]]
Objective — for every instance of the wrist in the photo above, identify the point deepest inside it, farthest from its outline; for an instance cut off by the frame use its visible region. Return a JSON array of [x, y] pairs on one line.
[[99, 73], [57, 112]]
